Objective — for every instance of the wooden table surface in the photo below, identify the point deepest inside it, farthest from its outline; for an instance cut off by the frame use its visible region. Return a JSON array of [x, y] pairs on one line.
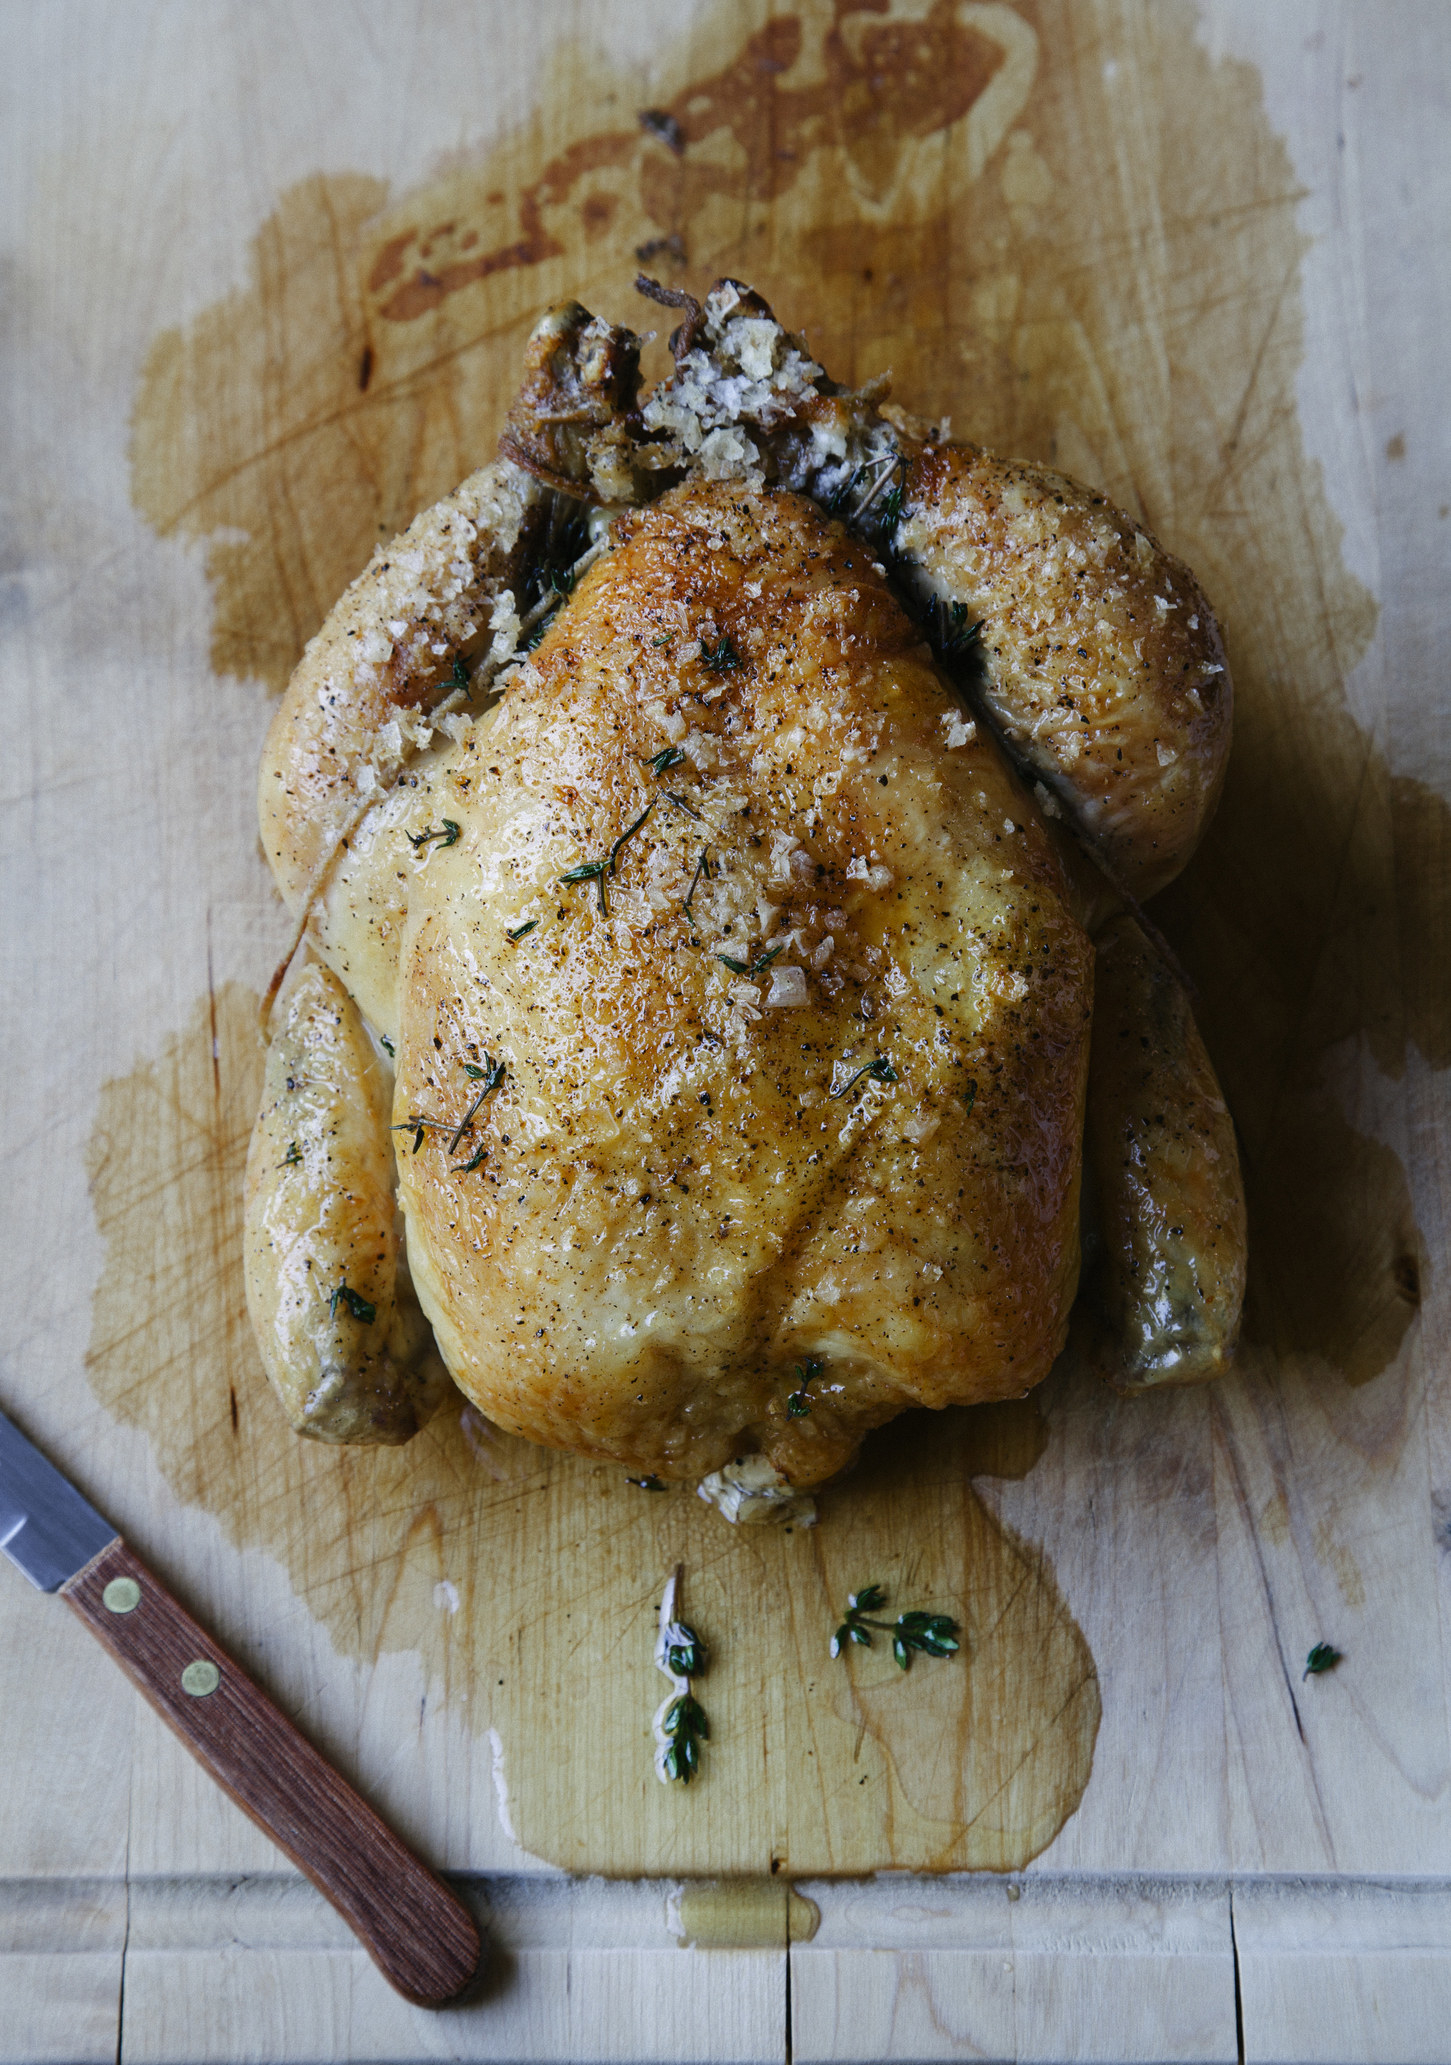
[[267, 273]]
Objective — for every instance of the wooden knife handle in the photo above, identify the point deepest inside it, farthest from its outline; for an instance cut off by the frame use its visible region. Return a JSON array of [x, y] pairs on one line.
[[419, 1936]]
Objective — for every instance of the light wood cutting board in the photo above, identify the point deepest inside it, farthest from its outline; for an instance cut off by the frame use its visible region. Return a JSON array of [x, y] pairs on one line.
[[271, 289]]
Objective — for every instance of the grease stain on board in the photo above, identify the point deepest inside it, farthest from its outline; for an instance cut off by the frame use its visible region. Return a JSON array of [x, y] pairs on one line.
[[1072, 230], [528, 1580]]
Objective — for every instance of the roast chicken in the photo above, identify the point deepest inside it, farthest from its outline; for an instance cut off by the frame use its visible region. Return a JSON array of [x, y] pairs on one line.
[[717, 837]]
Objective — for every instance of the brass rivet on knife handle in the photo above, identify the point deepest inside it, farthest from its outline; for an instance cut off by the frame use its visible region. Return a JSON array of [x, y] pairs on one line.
[[421, 1938]]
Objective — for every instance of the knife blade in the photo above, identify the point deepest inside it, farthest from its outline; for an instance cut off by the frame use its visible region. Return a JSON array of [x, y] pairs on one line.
[[420, 1936], [46, 1528]]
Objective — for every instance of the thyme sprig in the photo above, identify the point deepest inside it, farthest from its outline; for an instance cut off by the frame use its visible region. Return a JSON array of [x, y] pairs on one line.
[[356, 1303], [488, 1079], [755, 967], [1323, 1657], [934, 1634], [447, 837], [596, 870], [681, 804], [680, 1722], [798, 1404], [880, 1071], [419, 1124]]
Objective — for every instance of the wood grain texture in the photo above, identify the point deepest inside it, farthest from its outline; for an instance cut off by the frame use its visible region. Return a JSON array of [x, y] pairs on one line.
[[1196, 255], [418, 1935]]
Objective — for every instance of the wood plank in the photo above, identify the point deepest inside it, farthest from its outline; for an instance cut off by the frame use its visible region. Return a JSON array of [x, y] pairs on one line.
[[1333, 1971], [62, 1953], [1032, 1971]]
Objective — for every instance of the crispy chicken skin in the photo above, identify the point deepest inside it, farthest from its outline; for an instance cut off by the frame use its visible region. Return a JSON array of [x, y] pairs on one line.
[[1170, 1207], [673, 1212], [739, 963]]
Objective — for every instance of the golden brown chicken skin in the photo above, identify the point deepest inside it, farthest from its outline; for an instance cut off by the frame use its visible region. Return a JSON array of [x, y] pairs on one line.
[[1101, 662], [792, 1094], [1169, 1204]]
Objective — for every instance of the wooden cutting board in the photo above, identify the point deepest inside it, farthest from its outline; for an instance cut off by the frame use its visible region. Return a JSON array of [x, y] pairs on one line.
[[262, 318]]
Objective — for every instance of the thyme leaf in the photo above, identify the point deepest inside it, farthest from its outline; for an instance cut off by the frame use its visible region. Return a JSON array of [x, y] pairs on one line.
[[687, 1727], [838, 498], [646, 1483], [460, 680], [292, 1157], [356, 1303], [751, 967], [721, 657], [514, 932], [447, 837], [591, 871], [387, 1045], [681, 804], [959, 635], [418, 1124], [798, 1404], [475, 1160], [702, 867], [628, 833], [684, 1651], [1323, 1657], [930, 1634], [666, 758], [892, 512]]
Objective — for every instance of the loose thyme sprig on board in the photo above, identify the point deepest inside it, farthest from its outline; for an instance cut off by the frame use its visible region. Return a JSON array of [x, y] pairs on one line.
[[933, 1633], [680, 1722], [1323, 1657]]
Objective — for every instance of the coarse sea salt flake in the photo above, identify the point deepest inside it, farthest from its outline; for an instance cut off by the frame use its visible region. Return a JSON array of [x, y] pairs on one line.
[[788, 987]]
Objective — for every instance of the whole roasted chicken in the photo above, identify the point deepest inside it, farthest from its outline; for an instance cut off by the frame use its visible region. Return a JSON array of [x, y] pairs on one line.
[[719, 831]]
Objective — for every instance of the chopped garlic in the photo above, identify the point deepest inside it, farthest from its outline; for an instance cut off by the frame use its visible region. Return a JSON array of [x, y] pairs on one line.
[[751, 1491]]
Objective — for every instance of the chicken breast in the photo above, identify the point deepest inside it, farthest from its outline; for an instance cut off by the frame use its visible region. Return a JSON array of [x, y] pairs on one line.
[[745, 1023]]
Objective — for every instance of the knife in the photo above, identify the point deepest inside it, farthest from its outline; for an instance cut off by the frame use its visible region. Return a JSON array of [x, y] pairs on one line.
[[421, 1939]]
